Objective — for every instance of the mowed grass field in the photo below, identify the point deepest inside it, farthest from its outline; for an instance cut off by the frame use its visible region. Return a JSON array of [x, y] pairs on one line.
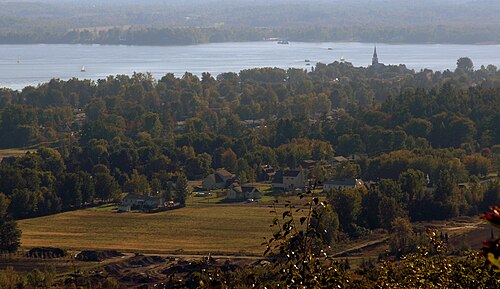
[[14, 152], [197, 229]]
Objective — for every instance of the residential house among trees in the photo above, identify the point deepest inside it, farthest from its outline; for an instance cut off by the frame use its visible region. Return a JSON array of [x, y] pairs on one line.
[[237, 192], [339, 160], [356, 157], [220, 179], [352, 158], [266, 173], [289, 180], [343, 184], [140, 202], [308, 164]]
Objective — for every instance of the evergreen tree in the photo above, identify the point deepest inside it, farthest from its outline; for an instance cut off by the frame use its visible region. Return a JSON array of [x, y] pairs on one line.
[[10, 235], [181, 190]]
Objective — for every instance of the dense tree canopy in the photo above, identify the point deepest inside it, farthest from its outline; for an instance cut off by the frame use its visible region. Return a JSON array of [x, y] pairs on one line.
[[137, 134], [426, 143]]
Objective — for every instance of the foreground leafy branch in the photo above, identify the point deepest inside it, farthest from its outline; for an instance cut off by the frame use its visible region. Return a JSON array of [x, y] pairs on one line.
[[298, 247], [491, 249]]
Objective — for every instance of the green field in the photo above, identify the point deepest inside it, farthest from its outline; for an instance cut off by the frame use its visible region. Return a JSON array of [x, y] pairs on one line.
[[14, 152], [196, 229]]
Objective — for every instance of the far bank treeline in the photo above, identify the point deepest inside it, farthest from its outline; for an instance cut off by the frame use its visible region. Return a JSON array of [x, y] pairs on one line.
[[200, 35], [137, 134], [193, 22]]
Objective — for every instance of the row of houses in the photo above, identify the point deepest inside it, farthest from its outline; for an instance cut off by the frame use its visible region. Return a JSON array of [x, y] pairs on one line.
[[281, 180], [143, 203], [343, 184], [237, 192], [139, 202], [223, 179], [284, 180]]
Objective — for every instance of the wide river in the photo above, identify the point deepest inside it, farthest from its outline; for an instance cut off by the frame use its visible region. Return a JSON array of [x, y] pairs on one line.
[[22, 65]]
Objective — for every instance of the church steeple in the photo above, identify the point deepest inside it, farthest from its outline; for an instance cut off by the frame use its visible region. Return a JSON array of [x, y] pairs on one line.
[[375, 57]]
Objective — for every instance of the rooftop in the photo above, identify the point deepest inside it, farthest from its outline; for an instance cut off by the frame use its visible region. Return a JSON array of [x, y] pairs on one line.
[[224, 173]]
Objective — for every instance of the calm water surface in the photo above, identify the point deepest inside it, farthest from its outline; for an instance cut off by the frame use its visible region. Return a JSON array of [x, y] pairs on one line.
[[22, 65]]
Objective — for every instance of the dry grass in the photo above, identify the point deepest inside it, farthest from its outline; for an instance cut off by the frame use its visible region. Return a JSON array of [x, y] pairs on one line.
[[14, 152], [229, 229]]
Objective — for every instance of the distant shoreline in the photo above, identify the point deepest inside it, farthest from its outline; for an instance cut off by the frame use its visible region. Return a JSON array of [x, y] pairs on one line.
[[179, 36]]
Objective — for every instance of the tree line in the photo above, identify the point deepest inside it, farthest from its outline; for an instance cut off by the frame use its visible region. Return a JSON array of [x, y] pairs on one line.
[[200, 35], [162, 23]]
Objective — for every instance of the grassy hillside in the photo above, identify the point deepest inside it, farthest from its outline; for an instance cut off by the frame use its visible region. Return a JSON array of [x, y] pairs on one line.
[[194, 229]]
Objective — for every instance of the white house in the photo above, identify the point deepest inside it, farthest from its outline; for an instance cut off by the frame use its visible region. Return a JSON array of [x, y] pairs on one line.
[[289, 180]]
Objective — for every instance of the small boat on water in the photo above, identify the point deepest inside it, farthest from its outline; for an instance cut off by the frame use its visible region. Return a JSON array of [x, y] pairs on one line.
[[83, 68], [342, 59], [307, 60], [283, 42], [329, 48]]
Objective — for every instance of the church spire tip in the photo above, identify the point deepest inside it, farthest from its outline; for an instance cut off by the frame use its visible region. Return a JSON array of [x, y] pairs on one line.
[[375, 57]]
